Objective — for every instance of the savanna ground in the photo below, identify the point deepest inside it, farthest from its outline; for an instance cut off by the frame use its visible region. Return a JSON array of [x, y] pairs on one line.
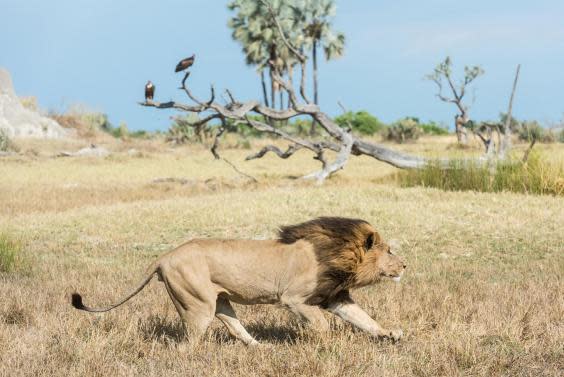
[[483, 293]]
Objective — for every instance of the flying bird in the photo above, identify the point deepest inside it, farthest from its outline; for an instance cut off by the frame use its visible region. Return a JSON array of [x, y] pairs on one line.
[[149, 91], [185, 63]]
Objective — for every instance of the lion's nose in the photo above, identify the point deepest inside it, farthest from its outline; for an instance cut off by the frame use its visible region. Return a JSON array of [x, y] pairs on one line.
[[404, 266]]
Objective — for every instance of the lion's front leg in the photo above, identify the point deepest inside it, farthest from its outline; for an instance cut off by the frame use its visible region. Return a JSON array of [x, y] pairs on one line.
[[311, 315], [349, 311]]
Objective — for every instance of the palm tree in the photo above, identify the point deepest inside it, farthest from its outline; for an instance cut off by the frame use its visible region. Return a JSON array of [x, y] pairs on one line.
[[254, 49], [316, 16], [254, 28], [306, 23]]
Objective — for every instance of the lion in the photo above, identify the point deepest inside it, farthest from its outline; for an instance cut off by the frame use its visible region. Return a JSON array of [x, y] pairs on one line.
[[310, 268]]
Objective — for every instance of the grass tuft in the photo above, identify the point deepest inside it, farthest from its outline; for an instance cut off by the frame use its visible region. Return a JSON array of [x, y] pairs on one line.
[[10, 254], [536, 176]]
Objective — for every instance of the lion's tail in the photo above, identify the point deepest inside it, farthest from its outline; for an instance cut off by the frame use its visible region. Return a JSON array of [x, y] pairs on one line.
[[76, 299]]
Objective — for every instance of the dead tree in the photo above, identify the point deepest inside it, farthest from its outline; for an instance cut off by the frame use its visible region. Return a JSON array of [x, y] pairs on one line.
[[443, 71], [485, 130], [505, 144], [339, 140]]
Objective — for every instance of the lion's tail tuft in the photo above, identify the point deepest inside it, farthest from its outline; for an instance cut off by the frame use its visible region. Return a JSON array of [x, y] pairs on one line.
[[76, 301]]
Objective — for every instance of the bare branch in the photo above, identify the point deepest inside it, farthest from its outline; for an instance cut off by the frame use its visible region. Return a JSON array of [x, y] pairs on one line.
[[303, 83], [457, 96], [215, 144], [261, 126], [173, 105], [274, 149], [212, 97], [338, 164], [239, 171], [233, 101], [529, 149], [218, 157], [506, 141]]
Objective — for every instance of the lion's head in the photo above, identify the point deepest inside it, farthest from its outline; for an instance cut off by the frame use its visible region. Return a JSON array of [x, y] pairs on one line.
[[350, 253]]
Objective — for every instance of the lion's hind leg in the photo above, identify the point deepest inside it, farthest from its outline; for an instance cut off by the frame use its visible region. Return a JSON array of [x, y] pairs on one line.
[[196, 307], [224, 311]]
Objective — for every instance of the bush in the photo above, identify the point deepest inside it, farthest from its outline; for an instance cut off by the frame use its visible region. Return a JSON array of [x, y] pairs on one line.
[[361, 122], [85, 122], [120, 132], [30, 103], [561, 136], [181, 131], [536, 176], [140, 134], [300, 127], [5, 142], [514, 125], [97, 121], [404, 130], [10, 254], [433, 128], [532, 130]]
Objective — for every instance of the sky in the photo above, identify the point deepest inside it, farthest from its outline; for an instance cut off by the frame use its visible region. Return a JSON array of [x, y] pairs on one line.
[[100, 53]]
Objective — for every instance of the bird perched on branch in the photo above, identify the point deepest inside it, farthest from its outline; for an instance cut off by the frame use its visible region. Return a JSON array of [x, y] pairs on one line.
[[149, 91], [185, 63]]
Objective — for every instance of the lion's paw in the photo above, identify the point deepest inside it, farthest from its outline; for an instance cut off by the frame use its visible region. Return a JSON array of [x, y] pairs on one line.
[[396, 334]]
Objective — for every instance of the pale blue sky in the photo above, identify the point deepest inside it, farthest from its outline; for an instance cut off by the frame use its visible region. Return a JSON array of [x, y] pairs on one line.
[[101, 53]]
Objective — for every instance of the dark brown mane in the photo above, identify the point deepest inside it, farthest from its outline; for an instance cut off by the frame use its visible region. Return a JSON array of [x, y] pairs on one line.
[[339, 244]]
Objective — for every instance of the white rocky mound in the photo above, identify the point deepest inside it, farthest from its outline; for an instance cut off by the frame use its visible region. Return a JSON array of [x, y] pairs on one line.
[[17, 121]]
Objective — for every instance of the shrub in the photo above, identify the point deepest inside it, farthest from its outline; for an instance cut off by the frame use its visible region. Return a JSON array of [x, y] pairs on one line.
[[532, 130], [10, 254], [29, 103], [536, 176], [121, 131], [514, 125], [181, 131], [96, 121], [87, 123], [140, 134], [362, 122], [5, 142], [433, 128], [561, 136], [403, 130], [300, 126]]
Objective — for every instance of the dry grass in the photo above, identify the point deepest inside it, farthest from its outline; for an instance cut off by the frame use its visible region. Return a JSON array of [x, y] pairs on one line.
[[483, 294]]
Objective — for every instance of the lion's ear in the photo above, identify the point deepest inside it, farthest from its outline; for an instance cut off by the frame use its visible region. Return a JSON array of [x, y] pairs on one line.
[[371, 240]]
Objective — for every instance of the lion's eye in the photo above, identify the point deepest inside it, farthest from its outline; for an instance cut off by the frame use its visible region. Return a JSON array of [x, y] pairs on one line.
[[390, 251]]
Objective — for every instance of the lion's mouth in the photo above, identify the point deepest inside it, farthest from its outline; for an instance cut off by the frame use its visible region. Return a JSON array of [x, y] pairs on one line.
[[395, 277]]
